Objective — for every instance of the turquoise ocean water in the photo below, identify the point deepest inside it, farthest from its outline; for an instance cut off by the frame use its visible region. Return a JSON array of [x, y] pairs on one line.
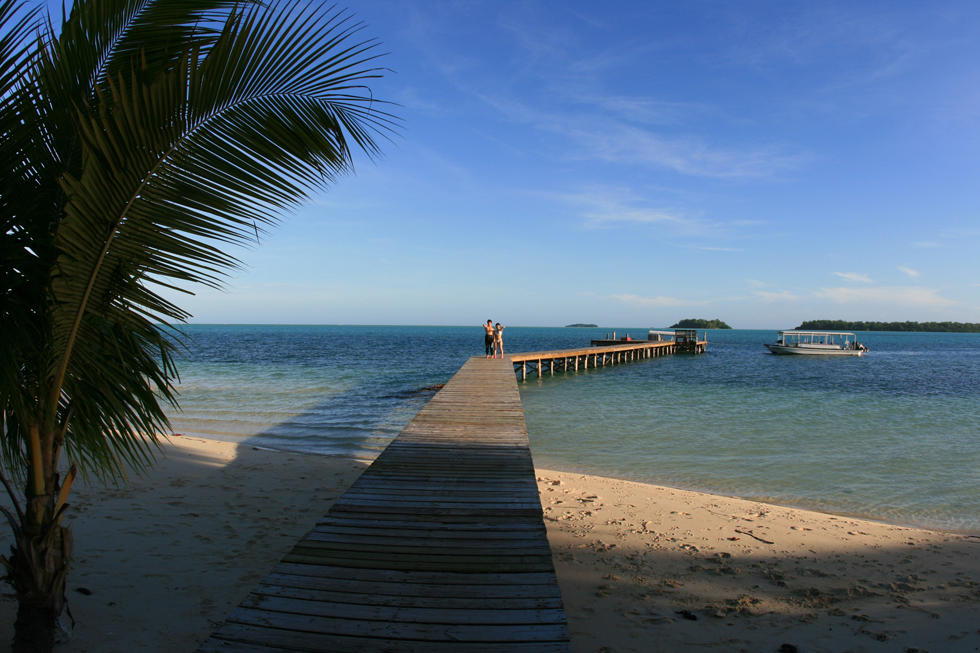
[[894, 435]]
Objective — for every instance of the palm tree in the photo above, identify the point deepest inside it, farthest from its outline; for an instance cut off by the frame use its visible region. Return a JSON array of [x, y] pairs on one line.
[[139, 140]]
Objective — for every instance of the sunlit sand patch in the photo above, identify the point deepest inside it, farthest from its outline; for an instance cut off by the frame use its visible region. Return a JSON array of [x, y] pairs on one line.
[[646, 568]]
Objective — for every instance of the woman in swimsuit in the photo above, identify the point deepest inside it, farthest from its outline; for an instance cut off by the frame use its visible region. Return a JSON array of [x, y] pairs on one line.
[[488, 338], [498, 339]]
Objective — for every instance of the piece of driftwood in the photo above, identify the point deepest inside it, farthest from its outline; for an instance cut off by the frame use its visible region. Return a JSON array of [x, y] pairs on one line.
[[752, 535]]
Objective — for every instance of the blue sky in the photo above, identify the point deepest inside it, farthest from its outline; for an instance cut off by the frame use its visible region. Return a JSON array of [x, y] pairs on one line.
[[631, 163]]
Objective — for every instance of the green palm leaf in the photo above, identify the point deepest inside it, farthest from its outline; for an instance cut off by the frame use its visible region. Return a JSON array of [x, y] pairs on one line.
[[226, 136]]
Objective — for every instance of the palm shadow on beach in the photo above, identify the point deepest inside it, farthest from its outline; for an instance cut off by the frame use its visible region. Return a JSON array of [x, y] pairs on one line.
[[160, 562]]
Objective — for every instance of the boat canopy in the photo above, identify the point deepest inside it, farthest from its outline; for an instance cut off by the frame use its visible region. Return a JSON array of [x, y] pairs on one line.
[[821, 339]]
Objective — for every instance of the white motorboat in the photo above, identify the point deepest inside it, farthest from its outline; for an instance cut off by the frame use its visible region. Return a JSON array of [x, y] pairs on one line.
[[817, 343]]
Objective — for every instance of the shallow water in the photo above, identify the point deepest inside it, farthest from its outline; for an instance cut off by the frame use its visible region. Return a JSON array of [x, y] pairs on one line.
[[892, 435]]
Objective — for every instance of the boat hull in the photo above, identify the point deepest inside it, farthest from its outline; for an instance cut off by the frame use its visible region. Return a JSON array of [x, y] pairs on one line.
[[812, 351]]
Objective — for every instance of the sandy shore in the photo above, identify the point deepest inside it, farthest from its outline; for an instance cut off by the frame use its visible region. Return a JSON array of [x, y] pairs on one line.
[[646, 568], [642, 568]]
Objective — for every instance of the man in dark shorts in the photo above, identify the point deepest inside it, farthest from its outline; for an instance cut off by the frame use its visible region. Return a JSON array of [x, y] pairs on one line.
[[488, 338]]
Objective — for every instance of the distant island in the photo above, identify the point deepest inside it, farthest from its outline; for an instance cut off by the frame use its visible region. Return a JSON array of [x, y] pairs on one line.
[[842, 325], [593, 326], [700, 324]]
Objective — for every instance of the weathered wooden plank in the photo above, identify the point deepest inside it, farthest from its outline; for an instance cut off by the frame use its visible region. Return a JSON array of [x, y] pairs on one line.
[[444, 529], [441, 522], [334, 550], [440, 601], [487, 566], [368, 542], [448, 512], [214, 645], [450, 484], [414, 485], [388, 501], [429, 632], [390, 540], [420, 577], [318, 643], [494, 494], [342, 579], [402, 614]]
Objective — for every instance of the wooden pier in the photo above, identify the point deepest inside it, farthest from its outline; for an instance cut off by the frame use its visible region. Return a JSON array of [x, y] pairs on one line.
[[566, 360], [440, 545]]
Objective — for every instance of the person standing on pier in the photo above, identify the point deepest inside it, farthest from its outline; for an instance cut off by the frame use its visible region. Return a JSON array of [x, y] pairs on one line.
[[488, 338], [498, 338]]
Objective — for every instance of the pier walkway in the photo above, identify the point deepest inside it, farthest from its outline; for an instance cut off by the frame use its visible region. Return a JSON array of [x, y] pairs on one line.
[[570, 359], [439, 546]]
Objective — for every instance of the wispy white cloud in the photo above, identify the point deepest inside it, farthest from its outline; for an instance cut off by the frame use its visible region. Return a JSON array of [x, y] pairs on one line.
[[904, 296], [690, 155], [759, 284], [712, 249], [642, 110], [606, 207], [597, 136], [854, 276], [657, 302], [769, 296], [636, 216], [909, 271]]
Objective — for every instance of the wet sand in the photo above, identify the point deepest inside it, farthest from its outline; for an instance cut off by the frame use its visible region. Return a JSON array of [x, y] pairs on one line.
[[642, 568]]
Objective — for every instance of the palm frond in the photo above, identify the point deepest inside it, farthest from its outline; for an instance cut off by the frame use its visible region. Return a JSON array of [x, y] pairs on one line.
[[166, 159], [21, 242]]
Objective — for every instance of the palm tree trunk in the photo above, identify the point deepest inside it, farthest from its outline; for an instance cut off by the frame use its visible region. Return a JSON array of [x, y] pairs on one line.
[[38, 571], [42, 552], [34, 629]]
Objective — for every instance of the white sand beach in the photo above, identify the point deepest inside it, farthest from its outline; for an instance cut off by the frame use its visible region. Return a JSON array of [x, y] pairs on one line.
[[641, 567], [647, 568]]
